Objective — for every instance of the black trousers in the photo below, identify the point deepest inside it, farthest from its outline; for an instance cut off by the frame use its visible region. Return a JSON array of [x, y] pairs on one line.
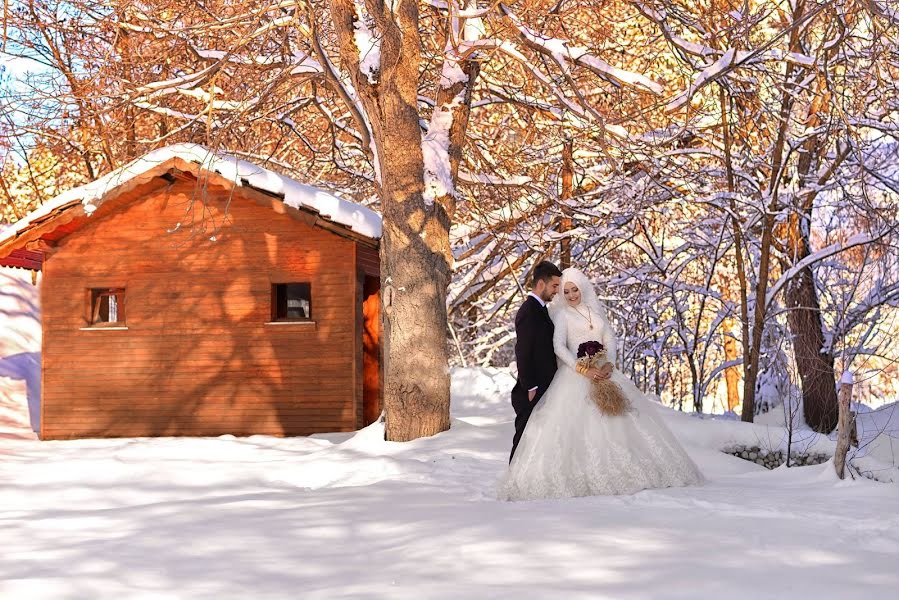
[[523, 408]]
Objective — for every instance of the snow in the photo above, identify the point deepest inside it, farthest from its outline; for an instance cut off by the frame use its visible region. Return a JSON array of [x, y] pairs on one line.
[[563, 51], [858, 239], [706, 75], [360, 219], [487, 179], [305, 64], [348, 515], [435, 152], [884, 9], [451, 73], [730, 58], [369, 46], [20, 347]]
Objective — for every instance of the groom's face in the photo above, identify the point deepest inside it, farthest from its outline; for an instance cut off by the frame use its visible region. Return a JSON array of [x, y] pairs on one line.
[[547, 290]]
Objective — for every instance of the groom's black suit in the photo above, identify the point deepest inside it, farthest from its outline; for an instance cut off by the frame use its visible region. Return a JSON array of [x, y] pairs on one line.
[[535, 358]]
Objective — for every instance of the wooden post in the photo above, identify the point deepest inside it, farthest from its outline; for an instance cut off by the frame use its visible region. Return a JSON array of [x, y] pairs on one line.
[[846, 424]]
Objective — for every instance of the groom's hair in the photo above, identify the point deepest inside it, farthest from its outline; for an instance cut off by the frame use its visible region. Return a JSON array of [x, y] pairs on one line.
[[545, 271]]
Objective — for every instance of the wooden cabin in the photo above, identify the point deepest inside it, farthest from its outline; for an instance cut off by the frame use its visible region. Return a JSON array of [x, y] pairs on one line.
[[194, 294]]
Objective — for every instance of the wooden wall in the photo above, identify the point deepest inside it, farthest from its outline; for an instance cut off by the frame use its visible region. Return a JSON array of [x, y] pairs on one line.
[[198, 357]]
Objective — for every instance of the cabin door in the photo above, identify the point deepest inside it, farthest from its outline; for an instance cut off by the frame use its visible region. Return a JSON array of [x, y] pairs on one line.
[[371, 350]]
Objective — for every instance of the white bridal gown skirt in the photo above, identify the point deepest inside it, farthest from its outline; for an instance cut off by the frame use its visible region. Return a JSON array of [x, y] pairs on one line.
[[569, 448]]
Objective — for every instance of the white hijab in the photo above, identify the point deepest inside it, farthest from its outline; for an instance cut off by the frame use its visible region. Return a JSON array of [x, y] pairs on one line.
[[588, 294], [588, 299]]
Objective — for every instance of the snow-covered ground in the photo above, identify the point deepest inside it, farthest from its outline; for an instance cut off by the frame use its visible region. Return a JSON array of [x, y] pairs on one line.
[[351, 516], [20, 351]]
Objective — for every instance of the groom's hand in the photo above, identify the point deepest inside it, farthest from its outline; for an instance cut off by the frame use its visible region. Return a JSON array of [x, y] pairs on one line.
[[531, 395]]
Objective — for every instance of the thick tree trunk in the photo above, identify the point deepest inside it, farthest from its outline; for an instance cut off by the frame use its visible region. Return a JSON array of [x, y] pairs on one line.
[[415, 249], [416, 257], [819, 393], [415, 275]]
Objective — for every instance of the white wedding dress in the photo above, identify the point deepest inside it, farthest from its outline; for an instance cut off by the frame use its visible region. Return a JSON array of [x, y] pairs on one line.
[[569, 448]]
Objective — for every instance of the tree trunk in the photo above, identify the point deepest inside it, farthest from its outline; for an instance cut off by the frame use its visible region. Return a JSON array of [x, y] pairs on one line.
[[565, 223], [731, 374], [819, 394], [847, 422], [416, 256], [414, 277], [415, 246]]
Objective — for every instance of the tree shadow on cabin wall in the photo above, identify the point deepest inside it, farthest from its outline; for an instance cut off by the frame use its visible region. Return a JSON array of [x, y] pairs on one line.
[[242, 379]]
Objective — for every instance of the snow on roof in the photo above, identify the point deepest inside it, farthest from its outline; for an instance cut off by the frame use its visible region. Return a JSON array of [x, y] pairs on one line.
[[360, 219]]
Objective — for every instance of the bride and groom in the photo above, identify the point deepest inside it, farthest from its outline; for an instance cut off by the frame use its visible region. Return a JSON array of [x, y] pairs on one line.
[[564, 445]]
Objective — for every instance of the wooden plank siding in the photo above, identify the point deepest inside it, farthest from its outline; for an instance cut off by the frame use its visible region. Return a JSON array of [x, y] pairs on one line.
[[198, 357]]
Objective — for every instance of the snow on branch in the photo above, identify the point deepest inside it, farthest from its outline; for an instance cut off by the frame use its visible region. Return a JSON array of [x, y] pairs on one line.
[[709, 74], [579, 115], [566, 54], [441, 157], [885, 9], [189, 80], [730, 60], [485, 179], [860, 239], [300, 62], [435, 151]]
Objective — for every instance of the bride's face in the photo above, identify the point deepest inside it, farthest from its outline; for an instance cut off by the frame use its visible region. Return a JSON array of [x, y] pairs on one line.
[[572, 294]]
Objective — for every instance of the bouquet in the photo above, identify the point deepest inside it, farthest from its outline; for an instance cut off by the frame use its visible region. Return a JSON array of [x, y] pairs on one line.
[[608, 396]]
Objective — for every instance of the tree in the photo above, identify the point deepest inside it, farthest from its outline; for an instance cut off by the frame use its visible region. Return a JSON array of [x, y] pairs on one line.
[[789, 77], [394, 85]]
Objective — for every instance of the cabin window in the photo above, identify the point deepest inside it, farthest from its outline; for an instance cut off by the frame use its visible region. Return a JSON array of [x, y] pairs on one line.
[[107, 306], [291, 302]]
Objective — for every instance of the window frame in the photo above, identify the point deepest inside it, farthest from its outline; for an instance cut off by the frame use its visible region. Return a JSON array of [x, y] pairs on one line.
[[275, 316], [94, 304]]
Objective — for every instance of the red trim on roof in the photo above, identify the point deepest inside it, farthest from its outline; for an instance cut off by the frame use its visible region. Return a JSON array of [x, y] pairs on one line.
[[24, 259]]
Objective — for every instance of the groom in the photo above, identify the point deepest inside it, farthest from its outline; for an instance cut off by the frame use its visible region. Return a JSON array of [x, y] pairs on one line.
[[534, 353]]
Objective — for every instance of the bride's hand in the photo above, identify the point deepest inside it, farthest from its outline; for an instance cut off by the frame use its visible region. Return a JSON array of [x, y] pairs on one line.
[[597, 374]]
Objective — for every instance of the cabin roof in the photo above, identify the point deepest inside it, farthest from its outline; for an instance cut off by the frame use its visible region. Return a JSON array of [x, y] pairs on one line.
[[199, 160]]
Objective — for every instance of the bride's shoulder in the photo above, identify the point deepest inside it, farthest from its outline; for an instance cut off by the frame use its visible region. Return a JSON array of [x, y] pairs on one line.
[[558, 314]]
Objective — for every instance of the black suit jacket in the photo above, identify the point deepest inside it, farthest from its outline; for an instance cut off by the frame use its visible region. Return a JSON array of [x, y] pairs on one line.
[[534, 353]]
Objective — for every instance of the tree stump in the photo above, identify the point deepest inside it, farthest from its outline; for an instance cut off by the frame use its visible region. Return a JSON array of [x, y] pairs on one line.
[[846, 425]]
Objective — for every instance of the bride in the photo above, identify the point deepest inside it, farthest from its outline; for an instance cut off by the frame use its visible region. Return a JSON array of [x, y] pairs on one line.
[[570, 448]]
